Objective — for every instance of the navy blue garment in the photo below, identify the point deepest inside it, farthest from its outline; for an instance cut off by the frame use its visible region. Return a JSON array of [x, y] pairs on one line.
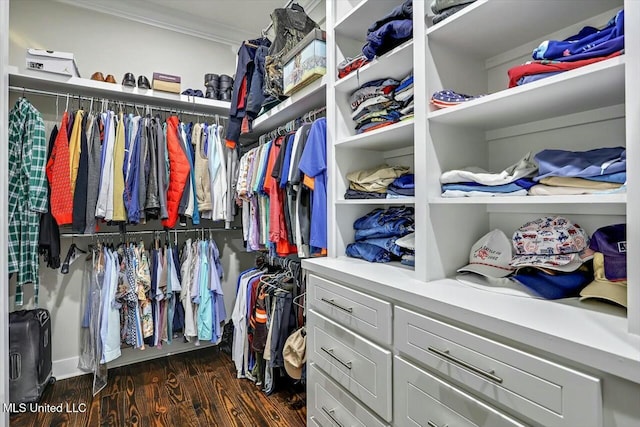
[[80, 195], [178, 315], [381, 216], [367, 252], [387, 37], [581, 164], [402, 11], [131, 186], [357, 194], [393, 229], [588, 43], [255, 96], [404, 181]]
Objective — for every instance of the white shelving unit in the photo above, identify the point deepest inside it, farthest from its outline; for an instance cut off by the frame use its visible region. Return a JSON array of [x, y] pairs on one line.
[[306, 99], [586, 108], [97, 89]]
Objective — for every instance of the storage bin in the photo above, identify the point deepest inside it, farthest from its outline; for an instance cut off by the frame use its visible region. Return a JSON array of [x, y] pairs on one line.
[[305, 62]]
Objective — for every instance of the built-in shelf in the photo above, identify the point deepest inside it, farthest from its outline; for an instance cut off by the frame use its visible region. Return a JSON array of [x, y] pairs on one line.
[[306, 99], [527, 21], [93, 88], [354, 24], [583, 199], [587, 88], [134, 355], [403, 201], [391, 137], [397, 63]]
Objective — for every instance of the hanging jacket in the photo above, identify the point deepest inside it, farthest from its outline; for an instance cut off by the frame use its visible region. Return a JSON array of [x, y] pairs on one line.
[[75, 141], [93, 174], [217, 174], [192, 209], [163, 179], [49, 238], [143, 167], [201, 166], [59, 177], [178, 172], [186, 202], [132, 177], [81, 185], [152, 202]]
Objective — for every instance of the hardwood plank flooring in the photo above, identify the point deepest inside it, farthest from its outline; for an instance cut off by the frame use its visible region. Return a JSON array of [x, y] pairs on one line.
[[194, 389]]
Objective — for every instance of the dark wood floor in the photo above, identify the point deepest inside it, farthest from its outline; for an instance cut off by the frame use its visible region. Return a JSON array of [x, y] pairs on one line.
[[198, 388]]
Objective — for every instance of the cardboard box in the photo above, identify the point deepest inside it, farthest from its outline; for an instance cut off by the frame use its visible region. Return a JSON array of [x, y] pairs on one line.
[[166, 82], [51, 61], [306, 62]]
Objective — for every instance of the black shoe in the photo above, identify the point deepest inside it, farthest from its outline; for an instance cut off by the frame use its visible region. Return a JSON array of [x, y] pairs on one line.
[[211, 80], [225, 91], [211, 93], [143, 83], [129, 80]]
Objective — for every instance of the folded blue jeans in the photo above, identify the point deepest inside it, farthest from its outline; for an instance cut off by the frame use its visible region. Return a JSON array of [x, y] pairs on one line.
[[386, 243], [381, 216], [367, 252], [387, 230]]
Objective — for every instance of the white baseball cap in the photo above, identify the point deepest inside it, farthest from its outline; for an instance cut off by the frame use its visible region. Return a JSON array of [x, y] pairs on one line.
[[490, 256]]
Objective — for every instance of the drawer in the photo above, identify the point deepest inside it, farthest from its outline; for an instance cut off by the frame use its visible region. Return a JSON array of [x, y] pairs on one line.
[[359, 312], [550, 394], [360, 366], [330, 405], [420, 399]]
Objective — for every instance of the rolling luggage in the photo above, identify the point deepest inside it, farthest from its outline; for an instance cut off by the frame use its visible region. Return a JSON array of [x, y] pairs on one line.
[[30, 368]]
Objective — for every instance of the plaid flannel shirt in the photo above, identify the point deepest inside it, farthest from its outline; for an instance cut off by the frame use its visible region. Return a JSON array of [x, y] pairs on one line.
[[28, 194]]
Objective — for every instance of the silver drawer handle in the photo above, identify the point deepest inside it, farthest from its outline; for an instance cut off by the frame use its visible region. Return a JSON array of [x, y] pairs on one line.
[[445, 354], [333, 303], [432, 424], [330, 353], [330, 413]]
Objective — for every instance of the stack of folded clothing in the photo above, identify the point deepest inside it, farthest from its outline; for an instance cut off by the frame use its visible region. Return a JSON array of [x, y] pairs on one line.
[[609, 265], [449, 98], [373, 105], [551, 255], [561, 172], [474, 181], [403, 94], [390, 31], [408, 243], [445, 8], [349, 65], [402, 186], [377, 232], [557, 56], [373, 183]]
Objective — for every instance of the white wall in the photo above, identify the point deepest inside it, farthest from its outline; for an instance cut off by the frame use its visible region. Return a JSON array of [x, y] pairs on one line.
[[115, 46]]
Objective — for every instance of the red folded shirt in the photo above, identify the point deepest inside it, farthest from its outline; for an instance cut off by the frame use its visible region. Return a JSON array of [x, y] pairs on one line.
[[549, 66]]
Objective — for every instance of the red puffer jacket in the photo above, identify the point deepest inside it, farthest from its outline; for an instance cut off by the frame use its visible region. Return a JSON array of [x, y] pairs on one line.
[[179, 172]]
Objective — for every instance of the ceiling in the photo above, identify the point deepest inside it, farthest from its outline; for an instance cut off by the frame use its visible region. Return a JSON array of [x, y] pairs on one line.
[[223, 21]]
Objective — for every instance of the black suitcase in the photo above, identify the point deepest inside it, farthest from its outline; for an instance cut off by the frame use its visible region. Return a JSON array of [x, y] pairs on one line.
[[30, 368]]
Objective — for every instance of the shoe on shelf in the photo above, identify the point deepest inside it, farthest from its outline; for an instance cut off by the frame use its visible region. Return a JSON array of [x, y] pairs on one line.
[[211, 80], [211, 93], [110, 79], [97, 76], [143, 83], [129, 80]]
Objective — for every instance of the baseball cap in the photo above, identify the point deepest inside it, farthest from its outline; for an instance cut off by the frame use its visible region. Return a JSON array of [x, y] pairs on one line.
[[490, 256], [602, 288], [554, 286], [611, 242], [295, 353], [551, 242]]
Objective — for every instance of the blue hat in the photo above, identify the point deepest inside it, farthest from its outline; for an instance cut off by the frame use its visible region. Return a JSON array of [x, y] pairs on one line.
[[554, 286], [611, 241]]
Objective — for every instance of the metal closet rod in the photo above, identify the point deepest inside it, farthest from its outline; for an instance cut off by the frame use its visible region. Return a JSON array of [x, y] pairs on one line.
[[112, 101], [135, 233]]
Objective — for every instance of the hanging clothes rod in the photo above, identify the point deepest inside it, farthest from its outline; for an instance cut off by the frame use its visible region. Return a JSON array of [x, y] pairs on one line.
[[25, 90], [143, 232]]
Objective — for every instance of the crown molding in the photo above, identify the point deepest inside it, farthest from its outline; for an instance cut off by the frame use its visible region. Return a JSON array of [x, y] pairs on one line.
[[134, 11]]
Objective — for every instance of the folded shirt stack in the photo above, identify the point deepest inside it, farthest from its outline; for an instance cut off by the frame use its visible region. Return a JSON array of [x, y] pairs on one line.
[[373, 183], [381, 103], [402, 186], [598, 171], [377, 232], [445, 8], [449, 98], [553, 57], [474, 181], [390, 31]]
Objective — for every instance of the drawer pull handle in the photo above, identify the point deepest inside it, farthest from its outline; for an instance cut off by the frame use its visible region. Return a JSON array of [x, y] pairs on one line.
[[330, 413], [432, 424], [333, 303], [330, 353], [445, 354]]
